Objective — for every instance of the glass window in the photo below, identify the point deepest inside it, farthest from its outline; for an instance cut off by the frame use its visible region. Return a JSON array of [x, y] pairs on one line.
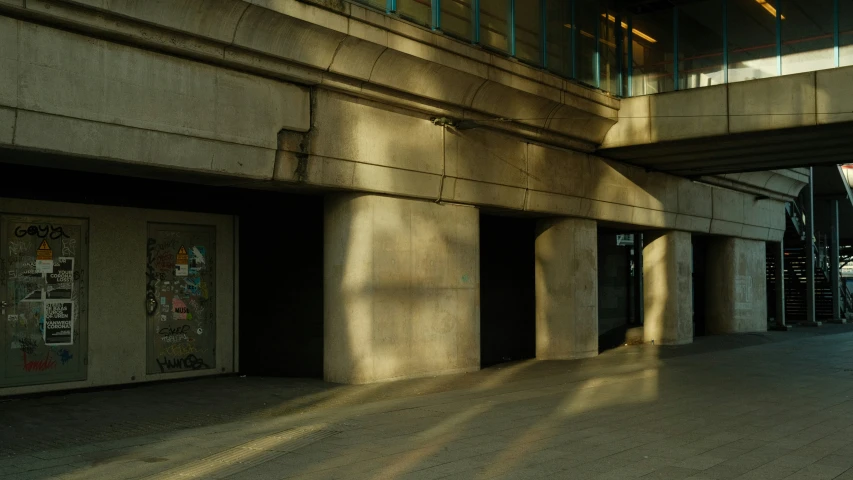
[[380, 4], [652, 47], [494, 27], [807, 36], [752, 39], [700, 44], [528, 31], [845, 32], [456, 18], [587, 14], [418, 11], [610, 28], [559, 16]]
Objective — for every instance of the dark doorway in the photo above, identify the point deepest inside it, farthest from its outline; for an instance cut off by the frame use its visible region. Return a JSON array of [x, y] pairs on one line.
[[616, 289], [507, 289], [700, 249], [281, 285]]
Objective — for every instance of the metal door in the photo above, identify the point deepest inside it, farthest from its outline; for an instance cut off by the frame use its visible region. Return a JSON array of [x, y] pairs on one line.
[[43, 302], [180, 298]]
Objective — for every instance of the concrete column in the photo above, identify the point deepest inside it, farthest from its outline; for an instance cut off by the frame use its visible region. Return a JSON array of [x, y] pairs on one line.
[[736, 285], [779, 260], [566, 289], [667, 284], [401, 289], [809, 245], [835, 264]]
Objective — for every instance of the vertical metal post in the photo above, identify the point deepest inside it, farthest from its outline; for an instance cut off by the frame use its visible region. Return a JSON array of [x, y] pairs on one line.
[[638, 276], [811, 319], [725, 41], [836, 33], [835, 264], [619, 37], [779, 257], [436, 14], [630, 48], [476, 20], [675, 48], [543, 31], [574, 43], [390, 6], [778, 37], [511, 27]]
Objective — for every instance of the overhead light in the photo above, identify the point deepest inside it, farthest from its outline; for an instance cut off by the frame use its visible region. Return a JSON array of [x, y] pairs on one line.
[[769, 8], [634, 30]]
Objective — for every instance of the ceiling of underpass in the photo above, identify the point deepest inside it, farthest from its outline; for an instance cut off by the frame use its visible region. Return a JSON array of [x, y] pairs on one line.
[[743, 152]]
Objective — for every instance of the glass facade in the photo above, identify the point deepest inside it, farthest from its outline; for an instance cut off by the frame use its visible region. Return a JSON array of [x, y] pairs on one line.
[[558, 32], [845, 32], [494, 24], [639, 47], [528, 31], [701, 61], [417, 11], [807, 35]]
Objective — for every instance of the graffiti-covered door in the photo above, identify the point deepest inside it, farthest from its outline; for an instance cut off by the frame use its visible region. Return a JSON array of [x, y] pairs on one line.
[[43, 304], [179, 299]]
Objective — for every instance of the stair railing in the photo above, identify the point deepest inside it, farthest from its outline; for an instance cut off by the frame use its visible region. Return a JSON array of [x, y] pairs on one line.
[[798, 218]]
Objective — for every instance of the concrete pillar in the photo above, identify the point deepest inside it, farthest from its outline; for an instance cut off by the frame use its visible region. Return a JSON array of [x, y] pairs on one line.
[[779, 260], [566, 289], [736, 285], [835, 264], [401, 288], [667, 288]]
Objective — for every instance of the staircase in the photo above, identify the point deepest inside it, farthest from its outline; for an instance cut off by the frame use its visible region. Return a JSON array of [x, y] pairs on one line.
[[796, 274], [795, 286]]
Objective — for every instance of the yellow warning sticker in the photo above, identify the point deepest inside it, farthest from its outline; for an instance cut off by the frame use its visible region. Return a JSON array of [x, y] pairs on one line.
[[44, 258], [182, 263]]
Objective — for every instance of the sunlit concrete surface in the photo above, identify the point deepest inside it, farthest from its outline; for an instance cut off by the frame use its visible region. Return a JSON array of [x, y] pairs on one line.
[[769, 405]]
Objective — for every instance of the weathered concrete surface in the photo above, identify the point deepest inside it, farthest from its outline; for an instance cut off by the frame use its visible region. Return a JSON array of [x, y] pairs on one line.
[[667, 287], [117, 323], [401, 289], [362, 144], [566, 289], [798, 100], [721, 408], [736, 286]]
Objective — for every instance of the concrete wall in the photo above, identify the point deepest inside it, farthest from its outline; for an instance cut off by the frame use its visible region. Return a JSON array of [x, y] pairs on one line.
[[117, 322], [566, 289], [736, 286], [667, 288], [401, 289]]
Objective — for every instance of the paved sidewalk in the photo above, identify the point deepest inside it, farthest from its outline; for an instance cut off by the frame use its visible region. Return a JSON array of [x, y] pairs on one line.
[[748, 406]]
